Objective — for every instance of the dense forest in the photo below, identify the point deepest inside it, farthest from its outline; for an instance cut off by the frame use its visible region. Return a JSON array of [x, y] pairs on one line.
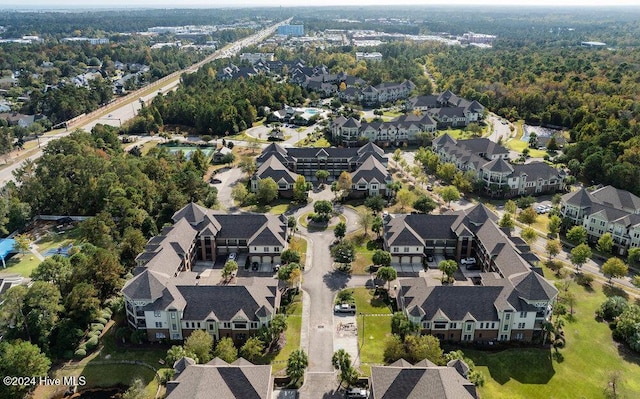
[[132, 198]]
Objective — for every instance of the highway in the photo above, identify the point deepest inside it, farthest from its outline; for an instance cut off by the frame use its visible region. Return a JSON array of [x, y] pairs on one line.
[[125, 108]]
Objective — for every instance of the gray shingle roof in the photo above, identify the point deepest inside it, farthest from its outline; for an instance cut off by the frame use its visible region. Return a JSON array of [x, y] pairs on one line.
[[222, 381], [616, 198], [415, 382], [533, 287], [536, 170], [580, 198]]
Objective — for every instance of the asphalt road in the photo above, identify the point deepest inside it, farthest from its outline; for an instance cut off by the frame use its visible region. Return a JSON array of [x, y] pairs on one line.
[[116, 116]]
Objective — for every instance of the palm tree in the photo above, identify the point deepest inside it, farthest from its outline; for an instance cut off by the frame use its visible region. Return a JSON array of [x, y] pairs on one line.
[[296, 364]]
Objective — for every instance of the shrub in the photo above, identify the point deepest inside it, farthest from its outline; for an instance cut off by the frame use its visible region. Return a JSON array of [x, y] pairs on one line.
[[584, 280], [80, 353], [92, 343], [101, 320], [106, 313], [612, 307], [97, 327]]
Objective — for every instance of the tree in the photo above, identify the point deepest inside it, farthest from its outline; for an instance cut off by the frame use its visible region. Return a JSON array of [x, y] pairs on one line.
[[22, 243], [397, 155], [612, 307], [579, 255], [529, 235], [300, 188], [289, 256], [226, 350], [239, 193], [177, 352], [377, 225], [252, 349], [420, 347], [136, 390], [295, 278], [229, 270], [200, 344], [553, 248], [394, 348], [55, 269], [555, 222], [402, 326], [381, 257], [340, 230], [510, 206], [633, 256], [364, 220], [404, 197], [267, 191], [614, 267], [577, 235], [424, 204], [448, 268], [82, 304], [388, 274], [528, 216], [449, 193], [446, 171], [507, 221], [525, 202], [19, 358], [605, 243], [341, 360], [343, 252], [323, 207], [132, 243], [344, 184], [296, 364], [322, 176], [376, 203]]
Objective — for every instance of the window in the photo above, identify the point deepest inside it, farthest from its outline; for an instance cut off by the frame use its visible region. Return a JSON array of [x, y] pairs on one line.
[[198, 324], [174, 326], [469, 326], [173, 315], [520, 326], [156, 313], [493, 325], [523, 315], [226, 324], [425, 324], [506, 327], [266, 249], [519, 336], [210, 327], [254, 325], [158, 324], [507, 316], [406, 249], [395, 249], [481, 325], [440, 324], [240, 326], [452, 325], [160, 335]]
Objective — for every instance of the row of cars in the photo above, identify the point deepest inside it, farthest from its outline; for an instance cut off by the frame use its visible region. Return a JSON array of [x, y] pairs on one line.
[[540, 209]]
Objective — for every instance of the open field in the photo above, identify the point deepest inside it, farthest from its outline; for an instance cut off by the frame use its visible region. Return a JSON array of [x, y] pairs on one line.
[[294, 325], [582, 370], [374, 327]]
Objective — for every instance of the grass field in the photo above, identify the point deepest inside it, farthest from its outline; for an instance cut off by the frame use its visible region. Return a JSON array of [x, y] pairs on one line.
[[373, 329], [294, 325], [22, 264], [582, 371], [299, 245]]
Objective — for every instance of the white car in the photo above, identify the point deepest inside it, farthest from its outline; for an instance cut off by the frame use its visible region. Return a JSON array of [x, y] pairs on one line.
[[233, 256], [468, 261]]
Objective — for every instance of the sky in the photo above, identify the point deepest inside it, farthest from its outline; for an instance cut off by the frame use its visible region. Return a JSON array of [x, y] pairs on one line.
[[48, 4]]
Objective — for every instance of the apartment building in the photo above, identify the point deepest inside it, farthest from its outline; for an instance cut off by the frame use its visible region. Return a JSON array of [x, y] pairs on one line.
[[509, 300], [404, 129], [168, 300], [367, 165], [605, 210], [489, 161]]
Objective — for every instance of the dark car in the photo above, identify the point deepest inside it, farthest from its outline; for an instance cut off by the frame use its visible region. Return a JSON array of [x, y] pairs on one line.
[[255, 266], [429, 258], [216, 181]]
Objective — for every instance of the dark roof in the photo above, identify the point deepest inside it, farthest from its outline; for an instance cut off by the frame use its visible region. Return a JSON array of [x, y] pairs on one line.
[[221, 380], [580, 198], [482, 145], [370, 170], [609, 195], [499, 165], [415, 382], [533, 287], [536, 170], [224, 302], [146, 285]]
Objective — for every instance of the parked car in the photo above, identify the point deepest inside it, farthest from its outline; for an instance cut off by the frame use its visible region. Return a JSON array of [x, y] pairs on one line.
[[468, 261], [255, 266], [345, 308], [232, 256], [429, 258], [429, 187], [356, 393], [216, 181], [276, 267]]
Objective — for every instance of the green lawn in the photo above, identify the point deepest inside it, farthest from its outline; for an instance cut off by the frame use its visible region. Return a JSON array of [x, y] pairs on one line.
[[374, 329], [518, 145], [294, 326], [299, 245], [22, 264], [589, 358]]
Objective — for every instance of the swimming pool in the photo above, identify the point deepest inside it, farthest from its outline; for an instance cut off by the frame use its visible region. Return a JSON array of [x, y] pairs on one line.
[[311, 111]]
